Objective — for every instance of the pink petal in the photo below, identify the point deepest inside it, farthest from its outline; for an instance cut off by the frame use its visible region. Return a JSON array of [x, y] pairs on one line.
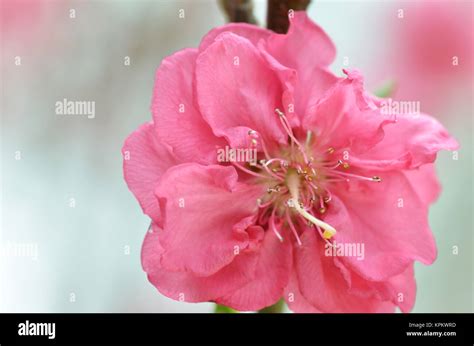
[[307, 71], [390, 218], [288, 79], [251, 32], [294, 299], [237, 95], [322, 283], [345, 118], [206, 214], [271, 277], [399, 289], [175, 112], [311, 87], [422, 137], [425, 181], [186, 286], [305, 45], [148, 160]]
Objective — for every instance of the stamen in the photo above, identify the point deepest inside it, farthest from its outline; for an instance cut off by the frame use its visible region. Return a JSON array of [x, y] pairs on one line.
[[269, 171], [293, 229], [374, 178], [266, 204], [248, 171], [293, 186], [328, 198], [322, 208], [254, 135], [289, 131], [272, 225]]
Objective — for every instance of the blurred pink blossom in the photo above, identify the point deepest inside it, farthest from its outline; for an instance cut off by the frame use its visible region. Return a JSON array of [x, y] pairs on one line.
[[431, 52]]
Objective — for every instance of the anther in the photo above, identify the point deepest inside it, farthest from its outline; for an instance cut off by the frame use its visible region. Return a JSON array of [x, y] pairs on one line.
[[279, 112], [376, 178]]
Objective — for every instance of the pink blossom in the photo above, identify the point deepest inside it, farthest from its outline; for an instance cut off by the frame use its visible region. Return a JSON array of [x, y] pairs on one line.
[[431, 52], [332, 169]]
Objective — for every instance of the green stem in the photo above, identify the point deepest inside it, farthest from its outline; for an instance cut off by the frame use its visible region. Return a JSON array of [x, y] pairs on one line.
[[222, 309], [276, 308]]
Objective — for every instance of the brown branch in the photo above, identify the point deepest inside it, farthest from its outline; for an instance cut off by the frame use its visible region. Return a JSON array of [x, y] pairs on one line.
[[277, 13], [238, 11]]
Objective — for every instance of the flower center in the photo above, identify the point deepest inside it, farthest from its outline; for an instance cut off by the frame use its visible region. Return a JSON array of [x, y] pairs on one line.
[[297, 183]]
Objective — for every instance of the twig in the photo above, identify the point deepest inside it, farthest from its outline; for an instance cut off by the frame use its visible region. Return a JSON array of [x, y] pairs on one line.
[[238, 10], [277, 13]]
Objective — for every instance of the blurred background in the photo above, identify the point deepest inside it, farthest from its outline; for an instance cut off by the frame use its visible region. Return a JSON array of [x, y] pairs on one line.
[[71, 232]]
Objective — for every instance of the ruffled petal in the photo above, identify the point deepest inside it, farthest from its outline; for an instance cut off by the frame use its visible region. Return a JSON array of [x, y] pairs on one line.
[[253, 33], [346, 118], [305, 45], [176, 115], [301, 59], [322, 283], [145, 160], [422, 137], [399, 289], [186, 286], [390, 219], [206, 216], [271, 277], [294, 299], [237, 91]]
